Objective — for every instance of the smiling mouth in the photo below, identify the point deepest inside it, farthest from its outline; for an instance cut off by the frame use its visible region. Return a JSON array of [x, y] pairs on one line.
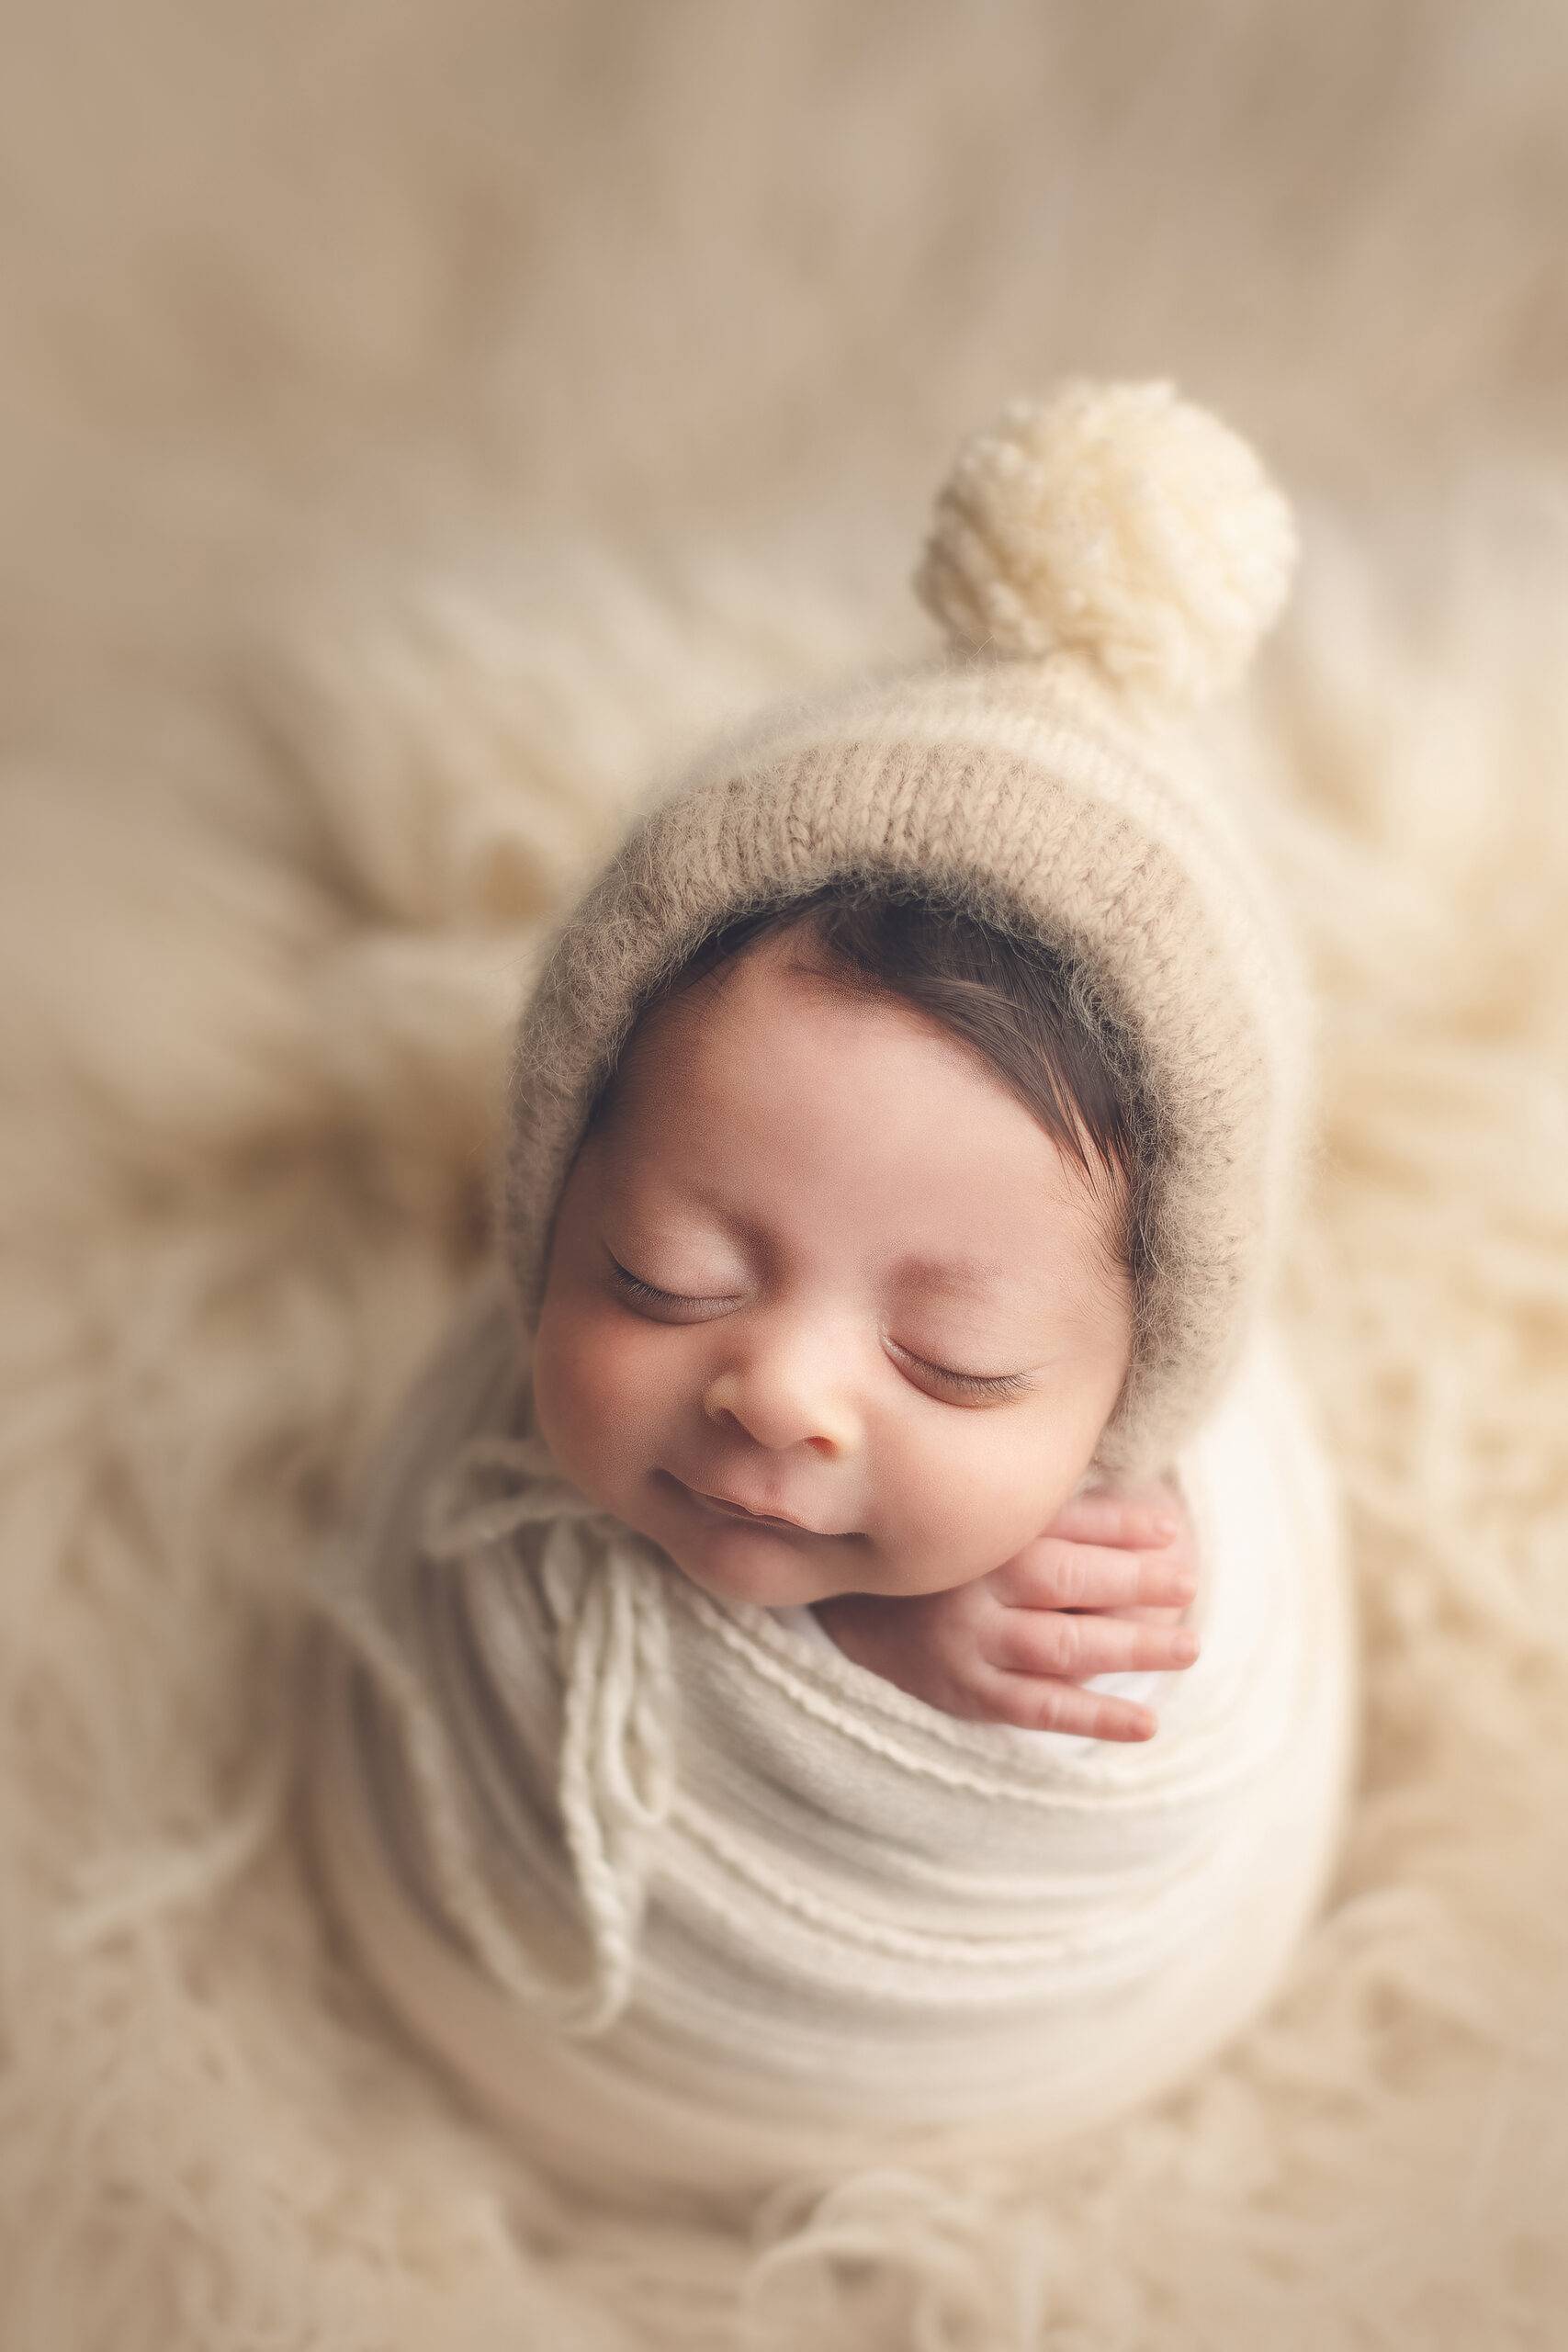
[[758, 1518], [726, 1510]]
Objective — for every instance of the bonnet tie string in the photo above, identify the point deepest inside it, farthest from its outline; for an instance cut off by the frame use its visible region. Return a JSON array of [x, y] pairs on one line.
[[617, 1767]]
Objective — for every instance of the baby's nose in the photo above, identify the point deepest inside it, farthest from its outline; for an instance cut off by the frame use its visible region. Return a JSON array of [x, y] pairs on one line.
[[778, 1407]]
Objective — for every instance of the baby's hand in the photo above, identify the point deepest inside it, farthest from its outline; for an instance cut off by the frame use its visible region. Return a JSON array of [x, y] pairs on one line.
[[1100, 1592]]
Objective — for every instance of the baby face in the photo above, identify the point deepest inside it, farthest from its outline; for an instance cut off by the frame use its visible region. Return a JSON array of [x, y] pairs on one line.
[[819, 1261]]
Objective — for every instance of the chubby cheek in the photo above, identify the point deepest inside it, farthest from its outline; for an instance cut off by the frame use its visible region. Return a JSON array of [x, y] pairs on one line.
[[965, 1507], [961, 1516], [590, 1401]]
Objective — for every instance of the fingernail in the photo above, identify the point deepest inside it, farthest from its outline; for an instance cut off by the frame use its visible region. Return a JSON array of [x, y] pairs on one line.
[[1164, 1526], [1186, 1647]]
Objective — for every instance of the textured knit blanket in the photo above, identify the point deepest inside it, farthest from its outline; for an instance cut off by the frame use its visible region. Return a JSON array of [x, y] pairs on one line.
[[685, 1896]]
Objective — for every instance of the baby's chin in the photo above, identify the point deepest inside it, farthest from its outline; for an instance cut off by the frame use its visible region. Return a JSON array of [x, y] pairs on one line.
[[772, 1567]]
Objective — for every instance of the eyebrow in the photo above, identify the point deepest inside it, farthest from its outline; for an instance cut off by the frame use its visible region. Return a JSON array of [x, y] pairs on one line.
[[956, 1278], [959, 1277]]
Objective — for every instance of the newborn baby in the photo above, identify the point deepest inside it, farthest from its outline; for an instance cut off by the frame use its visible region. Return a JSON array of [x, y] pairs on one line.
[[835, 1320], [722, 1739]]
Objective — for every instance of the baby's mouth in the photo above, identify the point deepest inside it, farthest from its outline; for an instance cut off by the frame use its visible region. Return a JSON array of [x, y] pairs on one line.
[[720, 1507], [741, 1510]]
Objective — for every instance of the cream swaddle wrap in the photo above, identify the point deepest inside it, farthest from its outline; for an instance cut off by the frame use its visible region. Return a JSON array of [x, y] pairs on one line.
[[677, 1890], [686, 1898]]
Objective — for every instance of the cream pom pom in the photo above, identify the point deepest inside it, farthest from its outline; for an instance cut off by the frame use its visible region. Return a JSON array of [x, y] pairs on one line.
[[1119, 523]]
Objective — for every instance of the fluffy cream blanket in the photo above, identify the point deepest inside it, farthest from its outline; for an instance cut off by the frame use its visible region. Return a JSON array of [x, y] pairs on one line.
[[314, 278]]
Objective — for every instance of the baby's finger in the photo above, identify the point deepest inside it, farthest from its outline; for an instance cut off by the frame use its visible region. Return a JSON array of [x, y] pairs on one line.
[[1101, 1516], [1069, 1647], [1039, 1704], [1053, 1574], [1151, 1616]]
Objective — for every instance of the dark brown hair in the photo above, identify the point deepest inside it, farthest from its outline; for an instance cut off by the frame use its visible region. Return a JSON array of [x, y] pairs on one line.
[[1032, 1012]]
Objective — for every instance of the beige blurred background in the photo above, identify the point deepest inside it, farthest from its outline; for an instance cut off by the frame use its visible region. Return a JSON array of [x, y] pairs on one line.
[[273, 272]]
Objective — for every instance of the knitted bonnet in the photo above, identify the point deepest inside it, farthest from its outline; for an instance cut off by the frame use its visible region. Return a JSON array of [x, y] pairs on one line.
[[1103, 563]]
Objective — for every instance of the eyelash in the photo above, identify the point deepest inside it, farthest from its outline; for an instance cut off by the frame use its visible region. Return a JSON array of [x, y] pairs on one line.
[[968, 1384]]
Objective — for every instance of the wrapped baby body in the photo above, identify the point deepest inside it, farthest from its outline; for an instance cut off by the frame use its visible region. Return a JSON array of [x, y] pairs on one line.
[[686, 1898], [677, 1890]]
